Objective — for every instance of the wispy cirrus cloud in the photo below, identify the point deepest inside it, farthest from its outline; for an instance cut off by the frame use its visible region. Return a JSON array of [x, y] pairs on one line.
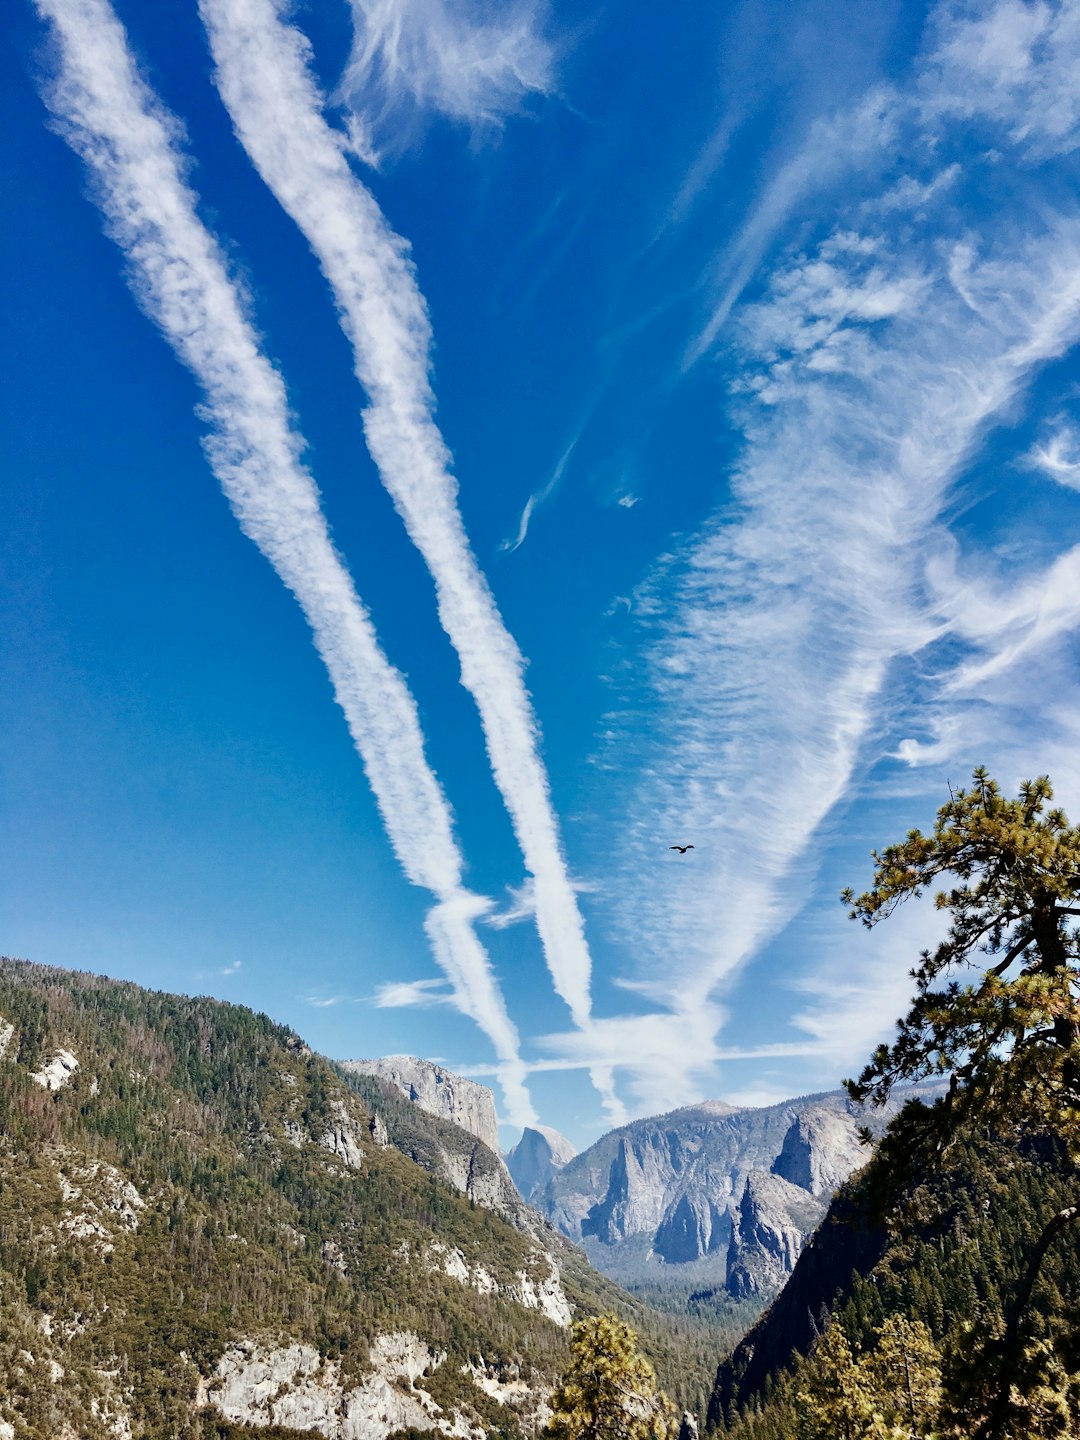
[[539, 497], [263, 76], [111, 118], [1059, 456], [411, 994], [470, 61], [869, 373]]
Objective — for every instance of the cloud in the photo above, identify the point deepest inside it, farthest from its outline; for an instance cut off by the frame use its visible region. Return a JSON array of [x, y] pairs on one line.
[[111, 118], [521, 906], [232, 969], [866, 376], [538, 497], [1013, 64], [1059, 457], [835, 145], [276, 108], [667, 1057], [417, 994], [470, 61]]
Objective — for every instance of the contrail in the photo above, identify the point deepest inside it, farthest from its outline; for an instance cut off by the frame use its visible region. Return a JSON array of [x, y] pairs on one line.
[[112, 119], [276, 107]]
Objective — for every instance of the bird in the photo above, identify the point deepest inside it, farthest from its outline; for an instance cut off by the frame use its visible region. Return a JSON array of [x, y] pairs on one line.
[[682, 849]]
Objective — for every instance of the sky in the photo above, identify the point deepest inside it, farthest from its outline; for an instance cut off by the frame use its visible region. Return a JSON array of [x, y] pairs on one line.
[[457, 451]]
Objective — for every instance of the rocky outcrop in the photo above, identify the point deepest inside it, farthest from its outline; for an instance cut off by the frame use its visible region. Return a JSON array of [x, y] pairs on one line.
[[532, 1290], [539, 1155], [342, 1137], [773, 1223], [439, 1092], [820, 1150], [56, 1071], [695, 1226], [292, 1386], [444, 1148]]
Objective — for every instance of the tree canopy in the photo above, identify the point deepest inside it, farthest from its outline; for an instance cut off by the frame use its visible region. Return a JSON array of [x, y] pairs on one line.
[[997, 1005], [609, 1391], [997, 1012]]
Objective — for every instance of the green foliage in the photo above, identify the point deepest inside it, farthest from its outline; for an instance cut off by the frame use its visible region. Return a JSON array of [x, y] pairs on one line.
[[609, 1390], [979, 1189], [248, 1227], [1010, 1041]]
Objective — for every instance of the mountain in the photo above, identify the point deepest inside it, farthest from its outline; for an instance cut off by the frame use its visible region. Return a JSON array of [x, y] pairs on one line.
[[438, 1092], [709, 1198], [538, 1156], [206, 1230], [951, 1254]]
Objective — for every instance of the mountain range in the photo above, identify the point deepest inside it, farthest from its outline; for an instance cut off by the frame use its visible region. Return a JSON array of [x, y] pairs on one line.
[[208, 1230], [721, 1196]]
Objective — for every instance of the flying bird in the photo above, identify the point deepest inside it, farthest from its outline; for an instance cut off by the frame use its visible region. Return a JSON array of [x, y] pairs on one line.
[[682, 849]]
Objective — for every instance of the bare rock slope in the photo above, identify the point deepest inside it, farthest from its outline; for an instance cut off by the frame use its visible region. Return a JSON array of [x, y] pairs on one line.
[[538, 1156], [437, 1092]]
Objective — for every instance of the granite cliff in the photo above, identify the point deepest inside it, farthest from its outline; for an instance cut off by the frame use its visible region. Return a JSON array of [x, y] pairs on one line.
[[538, 1156], [727, 1194], [437, 1092]]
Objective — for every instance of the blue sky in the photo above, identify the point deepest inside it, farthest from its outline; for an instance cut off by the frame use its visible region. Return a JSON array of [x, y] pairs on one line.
[[456, 451]]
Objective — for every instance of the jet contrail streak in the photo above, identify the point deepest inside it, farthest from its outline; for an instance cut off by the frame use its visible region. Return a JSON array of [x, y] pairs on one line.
[[277, 109], [112, 119]]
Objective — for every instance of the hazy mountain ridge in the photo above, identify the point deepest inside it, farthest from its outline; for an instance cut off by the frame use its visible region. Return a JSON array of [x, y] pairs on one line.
[[203, 1223], [728, 1193], [537, 1157]]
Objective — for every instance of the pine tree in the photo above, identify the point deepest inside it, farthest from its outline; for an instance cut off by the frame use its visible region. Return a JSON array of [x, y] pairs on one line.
[[1008, 1043], [904, 1370], [835, 1401], [609, 1390]]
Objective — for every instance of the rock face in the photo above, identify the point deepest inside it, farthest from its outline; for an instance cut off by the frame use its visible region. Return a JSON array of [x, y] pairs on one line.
[[772, 1224], [439, 1092], [734, 1191], [540, 1154], [820, 1150], [57, 1070], [293, 1387]]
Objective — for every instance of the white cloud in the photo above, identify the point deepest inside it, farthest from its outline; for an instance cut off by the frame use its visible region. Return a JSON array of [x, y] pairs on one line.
[[232, 969], [417, 994], [1015, 64], [835, 145], [521, 906], [471, 61], [538, 497], [870, 375], [112, 119], [1059, 457], [263, 76]]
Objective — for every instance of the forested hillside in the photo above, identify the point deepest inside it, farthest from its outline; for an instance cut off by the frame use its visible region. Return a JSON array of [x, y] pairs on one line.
[[201, 1220], [951, 1257]]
